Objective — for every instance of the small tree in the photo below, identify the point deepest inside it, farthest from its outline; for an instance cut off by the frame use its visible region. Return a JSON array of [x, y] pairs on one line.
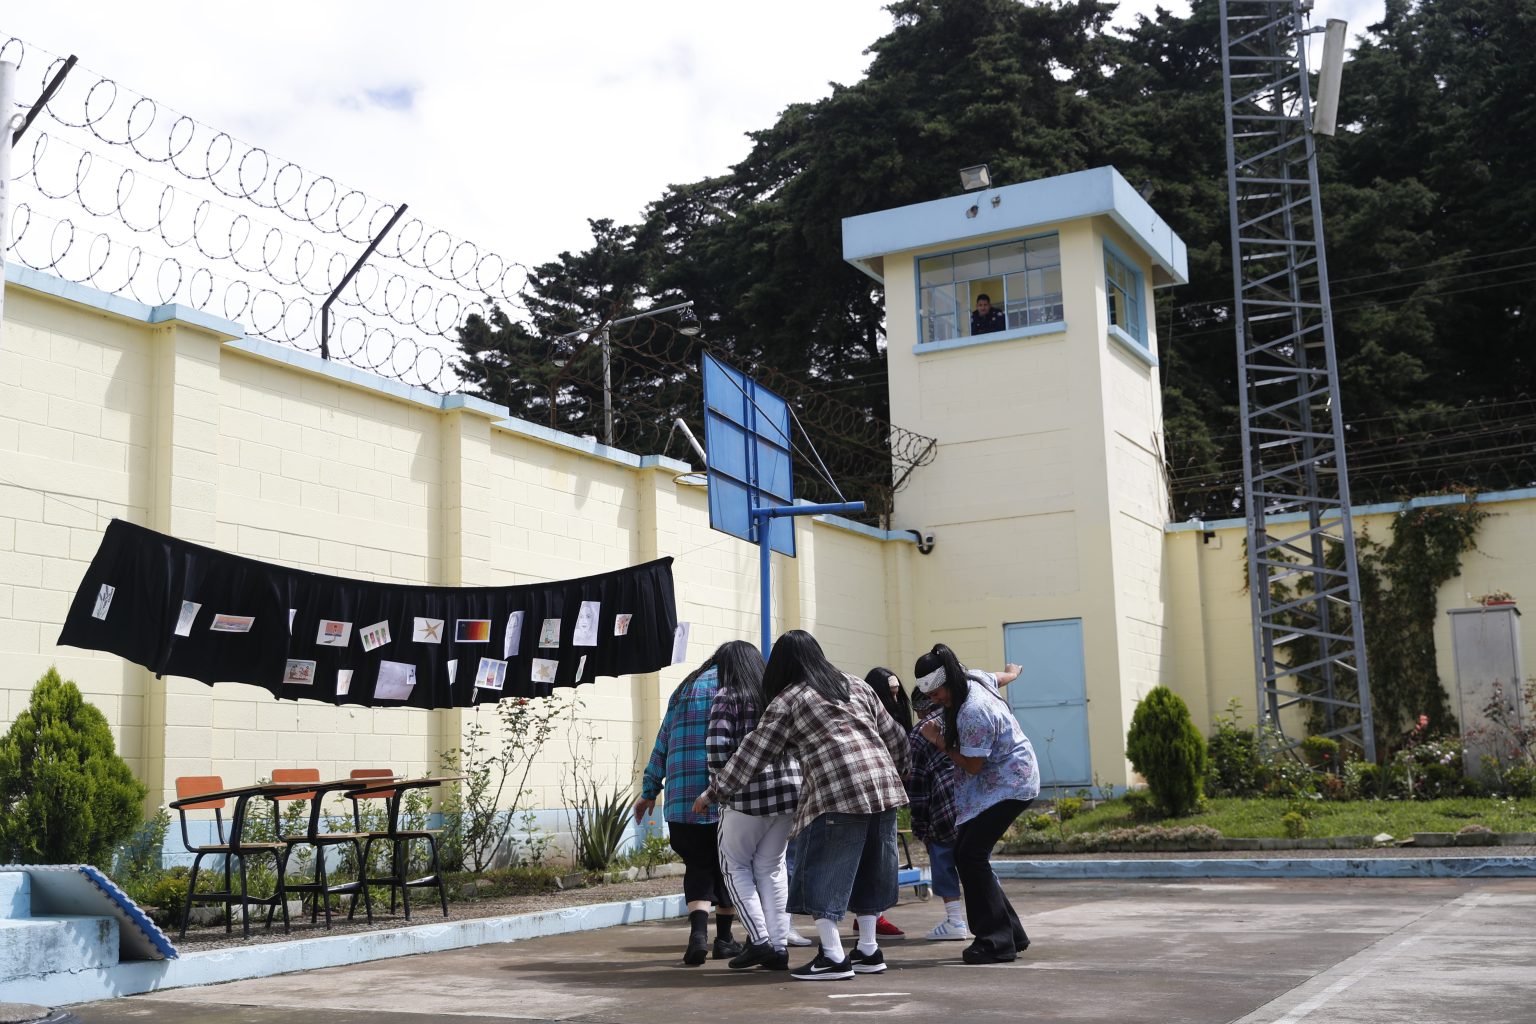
[[1169, 752], [65, 795]]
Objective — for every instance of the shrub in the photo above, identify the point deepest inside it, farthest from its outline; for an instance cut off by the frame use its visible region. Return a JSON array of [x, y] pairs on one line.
[[1295, 825], [1140, 804], [1038, 822], [1320, 752], [1166, 749], [1234, 761], [1069, 807], [65, 795], [1363, 780], [1520, 781]]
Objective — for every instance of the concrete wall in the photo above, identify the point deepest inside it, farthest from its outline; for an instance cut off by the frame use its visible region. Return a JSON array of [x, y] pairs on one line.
[[172, 419]]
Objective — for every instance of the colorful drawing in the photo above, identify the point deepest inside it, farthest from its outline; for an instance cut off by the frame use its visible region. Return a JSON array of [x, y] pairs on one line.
[[103, 601], [334, 633], [544, 670], [396, 681], [343, 681], [621, 624], [514, 637], [232, 623], [472, 631], [492, 674], [189, 610], [549, 636], [585, 634], [428, 631], [299, 673], [375, 636]]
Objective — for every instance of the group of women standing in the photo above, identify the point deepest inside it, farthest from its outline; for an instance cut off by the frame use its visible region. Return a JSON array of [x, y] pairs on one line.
[[782, 787]]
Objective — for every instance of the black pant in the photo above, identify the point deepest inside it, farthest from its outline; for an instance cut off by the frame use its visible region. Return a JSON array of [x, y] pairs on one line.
[[698, 847], [988, 913]]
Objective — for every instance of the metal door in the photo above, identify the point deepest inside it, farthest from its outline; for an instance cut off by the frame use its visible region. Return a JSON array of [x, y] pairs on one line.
[[1050, 697]]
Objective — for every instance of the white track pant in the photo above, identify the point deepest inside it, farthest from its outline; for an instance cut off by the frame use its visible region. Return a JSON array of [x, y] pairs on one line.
[[752, 861]]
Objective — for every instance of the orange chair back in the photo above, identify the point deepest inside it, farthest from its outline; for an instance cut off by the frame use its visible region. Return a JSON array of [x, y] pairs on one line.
[[375, 773], [295, 775], [196, 785]]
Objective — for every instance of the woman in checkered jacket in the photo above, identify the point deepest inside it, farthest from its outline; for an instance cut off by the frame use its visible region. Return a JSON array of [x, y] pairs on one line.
[[852, 758], [754, 824]]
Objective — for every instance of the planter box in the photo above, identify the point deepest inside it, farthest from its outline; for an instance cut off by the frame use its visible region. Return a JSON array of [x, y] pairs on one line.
[[1475, 839]]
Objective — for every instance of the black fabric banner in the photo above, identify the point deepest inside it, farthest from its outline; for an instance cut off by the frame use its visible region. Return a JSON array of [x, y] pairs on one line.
[[182, 609]]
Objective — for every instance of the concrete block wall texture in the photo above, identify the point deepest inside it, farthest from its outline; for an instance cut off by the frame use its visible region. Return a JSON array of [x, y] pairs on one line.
[[172, 419]]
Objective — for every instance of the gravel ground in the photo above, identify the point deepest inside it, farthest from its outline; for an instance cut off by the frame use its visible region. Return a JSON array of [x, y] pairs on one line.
[[425, 912]]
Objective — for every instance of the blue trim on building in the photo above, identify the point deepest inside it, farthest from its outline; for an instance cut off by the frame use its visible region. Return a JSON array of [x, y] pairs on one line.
[[1382, 508], [1032, 331], [1131, 345], [1020, 208], [117, 305]]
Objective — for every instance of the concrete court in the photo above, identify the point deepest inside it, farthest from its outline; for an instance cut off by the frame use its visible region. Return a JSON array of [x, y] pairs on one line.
[[1272, 951]]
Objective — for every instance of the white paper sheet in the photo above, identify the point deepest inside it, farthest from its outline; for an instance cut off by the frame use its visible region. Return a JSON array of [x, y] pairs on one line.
[[680, 644], [189, 610], [514, 638], [396, 681], [586, 624]]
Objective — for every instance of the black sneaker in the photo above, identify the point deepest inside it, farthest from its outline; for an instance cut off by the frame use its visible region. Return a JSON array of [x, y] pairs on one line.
[[726, 948], [823, 968], [867, 963], [698, 949], [780, 961], [757, 954], [973, 955]]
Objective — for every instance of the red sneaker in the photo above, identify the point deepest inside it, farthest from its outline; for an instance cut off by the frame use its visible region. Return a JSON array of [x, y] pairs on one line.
[[884, 927]]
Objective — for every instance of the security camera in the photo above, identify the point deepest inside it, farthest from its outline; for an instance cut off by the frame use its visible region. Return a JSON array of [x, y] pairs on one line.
[[924, 541]]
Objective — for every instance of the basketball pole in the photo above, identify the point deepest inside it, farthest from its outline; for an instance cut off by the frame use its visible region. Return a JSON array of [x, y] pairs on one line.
[[762, 519]]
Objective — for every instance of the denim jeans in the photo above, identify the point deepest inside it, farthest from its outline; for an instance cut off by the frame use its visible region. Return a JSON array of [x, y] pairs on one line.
[[941, 865], [845, 862]]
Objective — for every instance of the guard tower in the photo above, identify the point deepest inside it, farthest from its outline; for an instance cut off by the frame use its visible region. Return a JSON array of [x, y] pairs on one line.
[[1047, 499]]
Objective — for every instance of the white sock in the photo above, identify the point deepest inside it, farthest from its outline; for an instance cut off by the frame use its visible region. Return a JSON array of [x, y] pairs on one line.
[[868, 943], [954, 911], [831, 942]]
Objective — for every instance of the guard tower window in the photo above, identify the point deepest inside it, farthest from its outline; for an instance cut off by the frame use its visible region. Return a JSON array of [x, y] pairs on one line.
[[1123, 289], [1022, 278]]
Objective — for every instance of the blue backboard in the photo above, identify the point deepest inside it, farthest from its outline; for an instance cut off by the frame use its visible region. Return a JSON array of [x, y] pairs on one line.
[[746, 436]]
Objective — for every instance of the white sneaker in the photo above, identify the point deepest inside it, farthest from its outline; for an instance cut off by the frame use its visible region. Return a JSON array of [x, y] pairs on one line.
[[796, 939], [945, 931]]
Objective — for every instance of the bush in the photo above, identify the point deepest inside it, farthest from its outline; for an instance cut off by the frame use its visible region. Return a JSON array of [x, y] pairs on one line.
[[1520, 781], [1168, 751], [1141, 806], [1234, 762], [1363, 780], [65, 795], [1038, 822], [1295, 825], [1320, 753], [1069, 807]]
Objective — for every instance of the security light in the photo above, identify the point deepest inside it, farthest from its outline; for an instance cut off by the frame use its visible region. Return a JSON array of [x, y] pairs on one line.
[[972, 178], [687, 323]]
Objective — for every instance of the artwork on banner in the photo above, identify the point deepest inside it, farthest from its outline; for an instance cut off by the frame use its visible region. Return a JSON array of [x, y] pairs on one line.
[[581, 668], [453, 671], [428, 631], [334, 633], [586, 624], [549, 636], [299, 673], [375, 636], [492, 674], [544, 670], [232, 623], [189, 610], [680, 644], [473, 631], [396, 681], [514, 636], [621, 623], [343, 681], [103, 601]]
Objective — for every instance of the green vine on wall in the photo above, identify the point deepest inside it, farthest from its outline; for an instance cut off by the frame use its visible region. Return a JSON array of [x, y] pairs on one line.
[[1399, 584]]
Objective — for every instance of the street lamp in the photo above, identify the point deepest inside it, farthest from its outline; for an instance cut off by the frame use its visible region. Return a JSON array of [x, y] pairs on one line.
[[687, 324]]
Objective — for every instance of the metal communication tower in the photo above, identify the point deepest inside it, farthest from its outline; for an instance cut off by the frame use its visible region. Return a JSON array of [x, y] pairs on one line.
[[1309, 648]]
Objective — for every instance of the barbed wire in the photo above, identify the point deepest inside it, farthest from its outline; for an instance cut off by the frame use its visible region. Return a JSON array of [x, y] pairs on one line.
[[126, 194]]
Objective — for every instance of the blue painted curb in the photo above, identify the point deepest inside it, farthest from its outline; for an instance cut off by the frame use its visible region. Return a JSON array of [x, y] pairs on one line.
[[1273, 867]]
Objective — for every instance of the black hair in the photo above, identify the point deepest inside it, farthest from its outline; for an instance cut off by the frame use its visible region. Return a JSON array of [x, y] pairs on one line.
[[984, 297], [896, 705], [954, 678], [741, 669], [798, 658]]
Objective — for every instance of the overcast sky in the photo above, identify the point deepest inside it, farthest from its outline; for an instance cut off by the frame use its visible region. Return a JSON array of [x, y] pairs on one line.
[[508, 123]]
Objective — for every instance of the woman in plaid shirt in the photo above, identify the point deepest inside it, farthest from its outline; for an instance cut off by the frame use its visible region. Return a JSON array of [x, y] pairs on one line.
[[754, 824], [679, 763], [852, 757]]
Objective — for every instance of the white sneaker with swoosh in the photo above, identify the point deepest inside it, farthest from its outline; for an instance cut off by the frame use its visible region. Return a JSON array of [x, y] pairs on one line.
[[823, 968]]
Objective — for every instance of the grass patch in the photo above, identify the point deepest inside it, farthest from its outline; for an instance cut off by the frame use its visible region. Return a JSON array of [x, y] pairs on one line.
[[1261, 817]]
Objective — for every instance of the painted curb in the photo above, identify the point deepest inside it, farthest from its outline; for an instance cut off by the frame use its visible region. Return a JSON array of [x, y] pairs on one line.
[[1273, 867], [220, 965]]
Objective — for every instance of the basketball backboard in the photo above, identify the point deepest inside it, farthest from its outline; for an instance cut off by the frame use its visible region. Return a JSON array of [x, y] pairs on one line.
[[746, 431]]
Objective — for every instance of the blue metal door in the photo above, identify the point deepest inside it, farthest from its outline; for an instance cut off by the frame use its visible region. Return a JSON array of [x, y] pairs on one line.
[[1050, 697]]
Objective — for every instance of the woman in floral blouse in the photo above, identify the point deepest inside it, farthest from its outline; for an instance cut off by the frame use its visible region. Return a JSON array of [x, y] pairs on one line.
[[998, 778]]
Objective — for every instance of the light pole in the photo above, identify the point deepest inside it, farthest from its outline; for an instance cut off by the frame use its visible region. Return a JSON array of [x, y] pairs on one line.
[[688, 325]]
